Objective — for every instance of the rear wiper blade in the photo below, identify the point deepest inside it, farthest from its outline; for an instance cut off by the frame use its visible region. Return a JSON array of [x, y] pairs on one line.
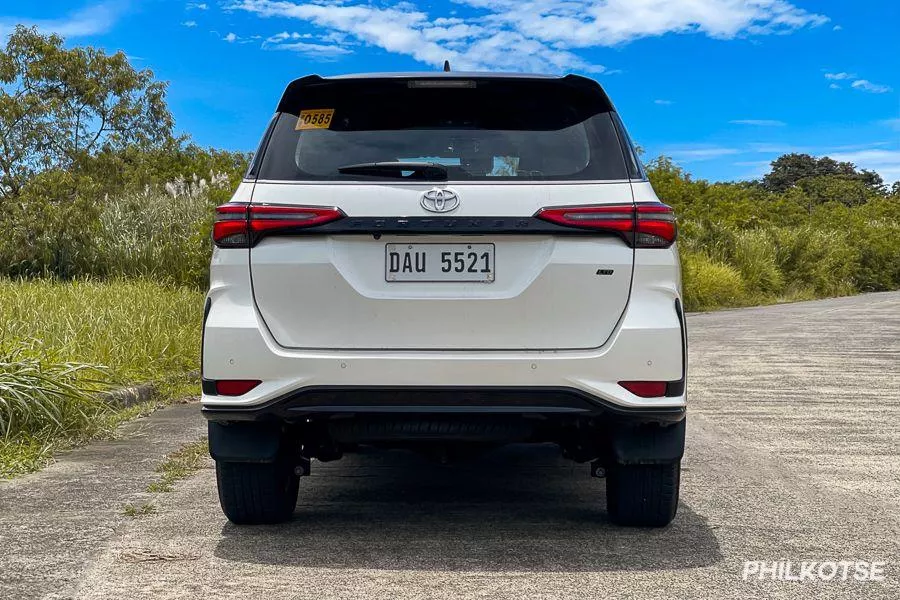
[[420, 170]]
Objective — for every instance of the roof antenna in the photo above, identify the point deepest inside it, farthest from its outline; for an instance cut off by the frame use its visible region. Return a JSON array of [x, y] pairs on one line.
[[446, 66]]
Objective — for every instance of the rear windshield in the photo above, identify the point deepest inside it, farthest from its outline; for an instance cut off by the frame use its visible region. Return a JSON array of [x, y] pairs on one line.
[[493, 130]]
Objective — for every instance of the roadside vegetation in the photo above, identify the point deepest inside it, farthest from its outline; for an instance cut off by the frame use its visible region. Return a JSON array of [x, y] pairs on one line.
[[106, 215], [179, 465]]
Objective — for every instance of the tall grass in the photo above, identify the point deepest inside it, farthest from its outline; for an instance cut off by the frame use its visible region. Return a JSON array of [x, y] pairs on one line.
[[44, 396], [155, 235], [136, 329], [63, 342]]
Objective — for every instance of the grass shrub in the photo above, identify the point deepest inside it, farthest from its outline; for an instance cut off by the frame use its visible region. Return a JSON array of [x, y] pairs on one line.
[[819, 259], [63, 342], [38, 394], [157, 236], [138, 330], [709, 283], [753, 254]]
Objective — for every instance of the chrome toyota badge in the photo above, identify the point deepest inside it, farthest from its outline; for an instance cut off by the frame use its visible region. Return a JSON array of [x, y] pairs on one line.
[[439, 200]]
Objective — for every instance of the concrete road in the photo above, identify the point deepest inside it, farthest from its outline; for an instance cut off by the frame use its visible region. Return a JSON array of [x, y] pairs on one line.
[[793, 444]]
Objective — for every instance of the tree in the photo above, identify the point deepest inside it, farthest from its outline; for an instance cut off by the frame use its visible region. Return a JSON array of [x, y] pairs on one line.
[[59, 107], [790, 169]]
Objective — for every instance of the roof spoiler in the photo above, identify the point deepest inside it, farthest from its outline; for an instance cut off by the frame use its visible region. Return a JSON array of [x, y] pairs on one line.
[[294, 88]]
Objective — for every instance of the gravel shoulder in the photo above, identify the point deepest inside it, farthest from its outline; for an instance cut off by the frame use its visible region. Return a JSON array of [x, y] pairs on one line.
[[792, 454]]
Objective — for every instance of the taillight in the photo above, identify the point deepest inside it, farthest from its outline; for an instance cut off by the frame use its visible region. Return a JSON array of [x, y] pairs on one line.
[[241, 225], [269, 218], [230, 228], [235, 387], [649, 225]]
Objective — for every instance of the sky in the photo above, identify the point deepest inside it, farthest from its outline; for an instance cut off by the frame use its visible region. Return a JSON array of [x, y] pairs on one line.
[[721, 86]]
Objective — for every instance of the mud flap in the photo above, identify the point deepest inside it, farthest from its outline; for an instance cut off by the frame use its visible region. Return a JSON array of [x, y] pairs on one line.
[[648, 444], [245, 442]]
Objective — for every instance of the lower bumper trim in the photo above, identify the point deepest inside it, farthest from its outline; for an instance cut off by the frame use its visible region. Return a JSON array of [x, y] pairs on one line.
[[342, 400]]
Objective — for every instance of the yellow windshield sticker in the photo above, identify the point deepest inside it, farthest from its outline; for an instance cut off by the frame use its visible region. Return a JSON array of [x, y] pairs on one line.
[[319, 118]]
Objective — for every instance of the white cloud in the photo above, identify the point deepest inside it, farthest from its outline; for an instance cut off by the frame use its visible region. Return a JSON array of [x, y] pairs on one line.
[[834, 86], [588, 23], [91, 20], [837, 28], [868, 86], [231, 38], [885, 162], [532, 35], [197, 6], [700, 153], [190, 23], [663, 102], [758, 122], [839, 76], [291, 41]]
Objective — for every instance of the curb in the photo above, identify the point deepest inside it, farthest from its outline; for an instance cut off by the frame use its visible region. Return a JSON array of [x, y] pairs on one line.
[[129, 396], [137, 394]]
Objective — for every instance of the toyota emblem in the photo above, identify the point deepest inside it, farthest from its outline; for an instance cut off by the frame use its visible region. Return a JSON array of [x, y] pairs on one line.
[[439, 200]]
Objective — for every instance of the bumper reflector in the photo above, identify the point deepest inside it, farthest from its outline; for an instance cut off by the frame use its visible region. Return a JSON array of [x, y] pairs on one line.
[[645, 389], [235, 387]]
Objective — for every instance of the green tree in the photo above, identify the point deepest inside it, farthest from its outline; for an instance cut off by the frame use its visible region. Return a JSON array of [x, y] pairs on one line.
[[790, 169], [60, 106]]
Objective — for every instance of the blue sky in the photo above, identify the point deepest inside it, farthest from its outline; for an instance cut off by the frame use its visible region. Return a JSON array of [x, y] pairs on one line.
[[722, 86]]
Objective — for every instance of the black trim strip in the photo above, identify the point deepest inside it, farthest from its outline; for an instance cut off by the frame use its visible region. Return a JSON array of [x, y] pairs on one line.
[[676, 388], [336, 400], [440, 225]]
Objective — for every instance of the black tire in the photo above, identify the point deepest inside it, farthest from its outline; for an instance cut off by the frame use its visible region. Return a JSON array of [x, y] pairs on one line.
[[257, 493], [643, 495]]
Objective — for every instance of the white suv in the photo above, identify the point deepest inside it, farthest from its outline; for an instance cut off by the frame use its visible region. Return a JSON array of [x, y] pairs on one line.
[[444, 262]]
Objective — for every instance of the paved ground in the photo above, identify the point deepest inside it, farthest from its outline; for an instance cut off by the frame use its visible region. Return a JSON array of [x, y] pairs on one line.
[[794, 438]]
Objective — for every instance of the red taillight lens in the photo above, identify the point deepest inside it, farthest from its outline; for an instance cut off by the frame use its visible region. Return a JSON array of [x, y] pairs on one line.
[[240, 225], [270, 218], [235, 387], [656, 226], [230, 228], [645, 389], [610, 218], [649, 225]]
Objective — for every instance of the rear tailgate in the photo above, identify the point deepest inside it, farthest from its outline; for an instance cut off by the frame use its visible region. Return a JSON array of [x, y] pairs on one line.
[[548, 291], [451, 265]]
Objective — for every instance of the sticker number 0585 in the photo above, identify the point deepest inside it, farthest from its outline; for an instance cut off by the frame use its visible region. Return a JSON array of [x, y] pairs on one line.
[[319, 118]]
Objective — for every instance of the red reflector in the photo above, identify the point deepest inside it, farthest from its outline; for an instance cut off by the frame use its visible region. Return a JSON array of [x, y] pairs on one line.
[[235, 387], [645, 389]]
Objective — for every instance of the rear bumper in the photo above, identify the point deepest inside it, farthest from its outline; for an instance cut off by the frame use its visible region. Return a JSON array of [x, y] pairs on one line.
[[318, 402], [648, 344]]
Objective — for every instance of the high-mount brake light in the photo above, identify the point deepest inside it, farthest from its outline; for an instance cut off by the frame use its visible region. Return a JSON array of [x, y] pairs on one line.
[[240, 225], [650, 225]]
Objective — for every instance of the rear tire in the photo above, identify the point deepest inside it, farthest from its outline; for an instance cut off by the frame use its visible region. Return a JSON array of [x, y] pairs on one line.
[[257, 493], [643, 495]]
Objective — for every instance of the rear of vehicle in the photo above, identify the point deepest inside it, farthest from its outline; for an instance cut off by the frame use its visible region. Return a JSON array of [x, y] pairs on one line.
[[444, 262]]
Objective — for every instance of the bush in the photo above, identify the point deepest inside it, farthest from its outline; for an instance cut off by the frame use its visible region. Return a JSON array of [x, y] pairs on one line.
[[753, 253], [709, 283], [819, 259], [157, 236], [41, 395]]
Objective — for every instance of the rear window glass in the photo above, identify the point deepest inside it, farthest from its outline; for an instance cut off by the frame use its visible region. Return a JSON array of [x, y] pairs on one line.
[[498, 130]]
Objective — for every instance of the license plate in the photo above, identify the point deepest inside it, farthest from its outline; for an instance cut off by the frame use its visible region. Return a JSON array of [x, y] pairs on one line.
[[439, 262]]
